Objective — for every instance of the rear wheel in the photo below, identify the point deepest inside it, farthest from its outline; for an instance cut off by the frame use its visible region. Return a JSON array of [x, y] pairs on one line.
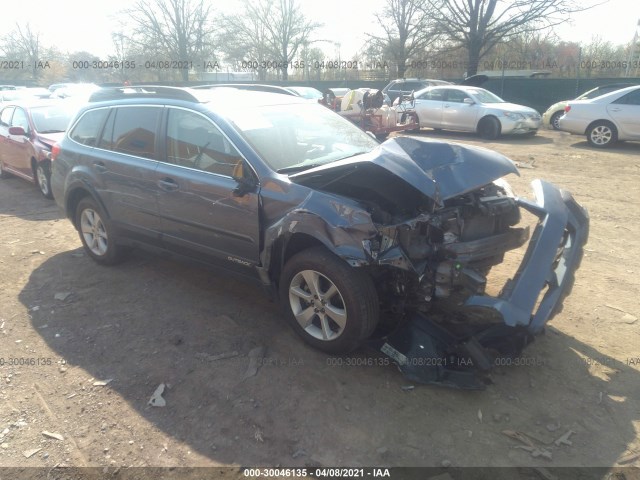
[[332, 306], [96, 233], [554, 119], [43, 177], [602, 134], [489, 128]]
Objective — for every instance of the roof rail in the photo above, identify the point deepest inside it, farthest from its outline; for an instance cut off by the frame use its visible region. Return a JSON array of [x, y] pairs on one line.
[[143, 91]]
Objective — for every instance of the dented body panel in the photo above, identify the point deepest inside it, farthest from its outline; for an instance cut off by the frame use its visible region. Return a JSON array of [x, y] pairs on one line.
[[368, 210]]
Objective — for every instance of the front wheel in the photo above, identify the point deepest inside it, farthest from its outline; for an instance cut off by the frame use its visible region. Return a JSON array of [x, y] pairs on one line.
[[3, 172], [602, 134], [489, 128], [96, 233], [332, 306], [43, 177]]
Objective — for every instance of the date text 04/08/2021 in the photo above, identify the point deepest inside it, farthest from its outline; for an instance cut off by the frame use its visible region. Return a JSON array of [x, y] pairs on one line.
[[325, 472]]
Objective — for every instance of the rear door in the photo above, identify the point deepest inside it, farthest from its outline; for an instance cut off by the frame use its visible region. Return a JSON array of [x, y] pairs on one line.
[[201, 216], [625, 111], [124, 162], [428, 106]]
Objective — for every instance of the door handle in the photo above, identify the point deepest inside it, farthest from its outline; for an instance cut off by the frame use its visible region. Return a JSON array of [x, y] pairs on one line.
[[168, 184], [616, 109], [100, 167]]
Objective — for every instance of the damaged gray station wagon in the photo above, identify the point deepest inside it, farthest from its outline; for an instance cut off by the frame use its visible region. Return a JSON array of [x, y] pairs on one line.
[[350, 234]]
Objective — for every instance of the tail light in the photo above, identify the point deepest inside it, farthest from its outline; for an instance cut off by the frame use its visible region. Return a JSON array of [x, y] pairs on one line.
[[55, 150], [567, 108]]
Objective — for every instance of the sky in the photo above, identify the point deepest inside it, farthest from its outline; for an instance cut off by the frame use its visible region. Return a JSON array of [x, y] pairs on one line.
[[75, 25]]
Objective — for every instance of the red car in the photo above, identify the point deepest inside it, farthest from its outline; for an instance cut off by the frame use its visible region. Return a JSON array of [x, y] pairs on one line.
[[28, 130]]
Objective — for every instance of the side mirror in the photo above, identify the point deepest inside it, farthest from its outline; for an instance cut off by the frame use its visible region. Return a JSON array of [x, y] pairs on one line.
[[245, 179], [17, 131], [468, 101]]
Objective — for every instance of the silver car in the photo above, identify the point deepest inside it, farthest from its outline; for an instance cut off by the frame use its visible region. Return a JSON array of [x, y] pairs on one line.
[[605, 119], [473, 109]]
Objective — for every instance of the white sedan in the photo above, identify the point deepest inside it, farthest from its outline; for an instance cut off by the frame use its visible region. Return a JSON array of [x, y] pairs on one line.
[[473, 109], [605, 119]]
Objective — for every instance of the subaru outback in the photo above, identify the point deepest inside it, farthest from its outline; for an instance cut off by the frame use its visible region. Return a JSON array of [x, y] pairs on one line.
[[346, 232]]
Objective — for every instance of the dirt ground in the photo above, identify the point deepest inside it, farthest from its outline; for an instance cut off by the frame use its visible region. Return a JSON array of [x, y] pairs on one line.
[[84, 347]]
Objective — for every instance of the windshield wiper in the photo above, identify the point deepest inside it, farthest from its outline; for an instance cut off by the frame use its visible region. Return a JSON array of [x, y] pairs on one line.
[[298, 168]]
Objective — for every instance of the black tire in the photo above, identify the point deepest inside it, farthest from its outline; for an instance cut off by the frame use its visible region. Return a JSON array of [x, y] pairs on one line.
[[489, 128], [553, 121], [43, 179], [354, 301], [602, 134], [96, 233], [3, 173]]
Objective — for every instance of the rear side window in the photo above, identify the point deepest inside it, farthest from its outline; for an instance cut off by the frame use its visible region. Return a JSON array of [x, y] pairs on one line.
[[433, 95], [632, 98], [87, 129], [133, 131], [409, 86]]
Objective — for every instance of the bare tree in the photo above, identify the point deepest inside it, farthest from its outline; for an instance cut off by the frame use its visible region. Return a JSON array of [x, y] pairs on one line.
[[479, 25], [408, 30], [287, 31], [174, 30], [244, 37], [23, 44]]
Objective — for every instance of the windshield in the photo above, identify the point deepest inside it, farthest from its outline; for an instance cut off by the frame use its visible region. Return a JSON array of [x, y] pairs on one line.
[[296, 137], [485, 96], [52, 118]]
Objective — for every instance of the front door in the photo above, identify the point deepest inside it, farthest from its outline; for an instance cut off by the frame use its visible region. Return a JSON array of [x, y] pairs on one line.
[[201, 216]]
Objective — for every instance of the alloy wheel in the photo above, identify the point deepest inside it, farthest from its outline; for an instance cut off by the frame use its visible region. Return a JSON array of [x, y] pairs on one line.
[[317, 305], [94, 232]]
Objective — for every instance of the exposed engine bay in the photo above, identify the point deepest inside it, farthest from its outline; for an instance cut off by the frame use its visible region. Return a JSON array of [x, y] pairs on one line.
[[443, 217]]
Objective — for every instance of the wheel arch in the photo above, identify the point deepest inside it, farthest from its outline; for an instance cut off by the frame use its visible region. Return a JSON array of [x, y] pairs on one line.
[[601, 120], [75, 195]]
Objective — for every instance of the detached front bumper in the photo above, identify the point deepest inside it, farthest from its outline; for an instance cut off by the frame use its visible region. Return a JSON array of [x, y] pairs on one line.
[[428, 352], [553, 255]]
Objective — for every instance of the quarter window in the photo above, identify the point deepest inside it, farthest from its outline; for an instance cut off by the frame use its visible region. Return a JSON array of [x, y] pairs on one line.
[[195, 142]]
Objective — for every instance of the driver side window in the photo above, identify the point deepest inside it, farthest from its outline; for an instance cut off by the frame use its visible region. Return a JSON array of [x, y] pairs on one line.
[[193, 141], [20, 120], [456, 96]]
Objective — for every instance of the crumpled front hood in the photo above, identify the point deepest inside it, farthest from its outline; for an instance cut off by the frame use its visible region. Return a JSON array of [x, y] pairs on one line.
[[439, 170]]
